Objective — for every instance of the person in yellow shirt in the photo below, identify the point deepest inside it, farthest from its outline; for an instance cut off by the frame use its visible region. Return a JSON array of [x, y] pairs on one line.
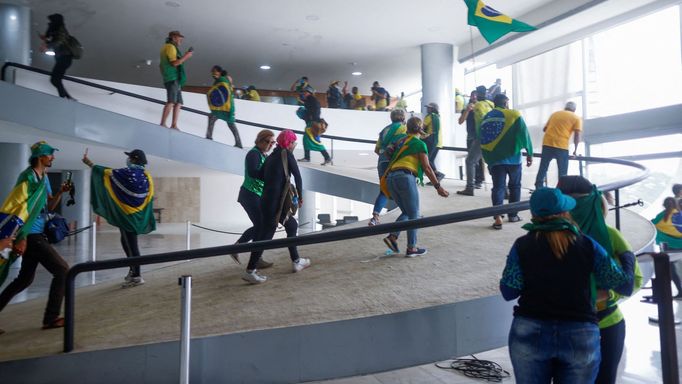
[[173, 72], [555, 144], [433, 136], [252, 94]]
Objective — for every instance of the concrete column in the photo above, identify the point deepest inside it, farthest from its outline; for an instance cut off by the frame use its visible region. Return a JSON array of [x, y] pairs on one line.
[[14, 159], [306, 214], [437, 61], [79, 212], [15, 33]]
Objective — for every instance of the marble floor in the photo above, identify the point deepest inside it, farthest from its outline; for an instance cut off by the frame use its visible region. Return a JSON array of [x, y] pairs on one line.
[[640, 363]]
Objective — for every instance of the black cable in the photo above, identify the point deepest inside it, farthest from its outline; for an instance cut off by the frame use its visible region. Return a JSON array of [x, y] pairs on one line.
[[79, 230], [476, 369]]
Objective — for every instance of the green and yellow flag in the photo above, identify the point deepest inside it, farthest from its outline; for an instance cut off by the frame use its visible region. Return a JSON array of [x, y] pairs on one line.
[[491, 23], [503, 134]]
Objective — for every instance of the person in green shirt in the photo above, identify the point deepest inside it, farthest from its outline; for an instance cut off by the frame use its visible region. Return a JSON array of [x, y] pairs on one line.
[[589, 213], [433, 136], [173, 72], [221, 103]]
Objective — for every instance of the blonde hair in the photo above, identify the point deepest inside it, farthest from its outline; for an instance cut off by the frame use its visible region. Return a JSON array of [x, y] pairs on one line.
[[264, 135], [414, 125], [559, 241]]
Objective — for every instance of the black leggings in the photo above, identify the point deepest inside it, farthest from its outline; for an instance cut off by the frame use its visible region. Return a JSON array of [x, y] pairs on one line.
[[233, 127], [325, 154], [131, 249], [266, 231], [39, 251], [62, 63], [251, 203], [612, 342]]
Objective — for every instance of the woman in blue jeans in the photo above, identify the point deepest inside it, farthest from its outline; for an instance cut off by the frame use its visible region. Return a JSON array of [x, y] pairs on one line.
[[409, 162], [554, 271]]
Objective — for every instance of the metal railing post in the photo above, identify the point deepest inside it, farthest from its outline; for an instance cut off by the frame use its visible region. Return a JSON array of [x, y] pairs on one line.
[[580, 167], [186, 308], [617, 196], [332, 151], [666, 318], [187, 234], [93, 251]]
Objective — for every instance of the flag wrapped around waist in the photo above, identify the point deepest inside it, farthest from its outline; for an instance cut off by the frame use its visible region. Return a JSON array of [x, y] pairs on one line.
[[124, 197], [26, 200], [503, 134], [491, 23]]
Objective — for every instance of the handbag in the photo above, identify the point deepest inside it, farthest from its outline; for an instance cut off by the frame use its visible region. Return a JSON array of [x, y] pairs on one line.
[[56, 228], [288, 204]]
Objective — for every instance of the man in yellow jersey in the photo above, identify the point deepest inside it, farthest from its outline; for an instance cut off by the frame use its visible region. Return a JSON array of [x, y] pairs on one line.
[[555, 143], [173, 73]]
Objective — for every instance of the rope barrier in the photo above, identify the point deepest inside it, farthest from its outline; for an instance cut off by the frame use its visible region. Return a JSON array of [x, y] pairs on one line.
[[234, 233], [79, 230]]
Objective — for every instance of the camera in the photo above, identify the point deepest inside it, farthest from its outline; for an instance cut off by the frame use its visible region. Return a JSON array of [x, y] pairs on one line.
[[72, 189], [190, 49]]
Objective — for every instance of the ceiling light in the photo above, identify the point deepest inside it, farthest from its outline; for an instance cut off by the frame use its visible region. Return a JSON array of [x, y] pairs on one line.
[[265, 67], [356, 73], [49, 53], [13, 17]]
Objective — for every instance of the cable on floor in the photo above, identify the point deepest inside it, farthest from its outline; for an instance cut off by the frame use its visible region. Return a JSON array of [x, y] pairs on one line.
[[476, 369]]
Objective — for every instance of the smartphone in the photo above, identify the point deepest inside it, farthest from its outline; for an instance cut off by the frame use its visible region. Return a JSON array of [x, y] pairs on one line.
[[68, 176], [190, 49]]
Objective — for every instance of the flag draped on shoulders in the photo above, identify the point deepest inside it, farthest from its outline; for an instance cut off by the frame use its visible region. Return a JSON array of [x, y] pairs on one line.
[[124, 197], [491, 23], [27, 199], [503, 134], [669, 231]]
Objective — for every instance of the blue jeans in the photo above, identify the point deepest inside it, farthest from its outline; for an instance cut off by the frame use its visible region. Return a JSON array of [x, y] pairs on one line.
[[381, 199], [542, 350], [499, 175], [549, 153], [403, 188]]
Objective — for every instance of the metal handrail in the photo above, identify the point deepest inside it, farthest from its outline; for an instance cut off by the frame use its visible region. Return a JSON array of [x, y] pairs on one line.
[[314, 238]]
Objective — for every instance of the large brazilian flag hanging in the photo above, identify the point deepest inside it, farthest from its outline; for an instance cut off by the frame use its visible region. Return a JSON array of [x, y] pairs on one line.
[[124, 197], [491, 23], [503, 134]]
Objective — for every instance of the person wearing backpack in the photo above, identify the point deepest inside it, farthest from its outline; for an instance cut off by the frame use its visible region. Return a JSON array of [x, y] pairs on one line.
[[56, 39], [30, 200]]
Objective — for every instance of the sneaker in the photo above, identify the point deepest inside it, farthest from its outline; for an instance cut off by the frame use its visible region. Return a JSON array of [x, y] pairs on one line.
[[466, 192], [478, 185], [327, 162], [514, 219], [253, 277], [300, 264], [56, 323], [235, 257], [414, 252], [129, 277], [304, 160], [391, 243], [262, 264], [133, 281]]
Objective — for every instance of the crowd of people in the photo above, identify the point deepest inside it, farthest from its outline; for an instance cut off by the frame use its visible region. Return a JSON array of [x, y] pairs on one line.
[[568, 272]]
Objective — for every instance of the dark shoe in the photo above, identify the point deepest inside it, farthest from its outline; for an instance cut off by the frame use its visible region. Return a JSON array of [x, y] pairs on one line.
[[414, 252], [304, 160], [56, 323], [514, 219], [391, 244], [209, 138], [238, 145], [262, 264], [327, 162], [497, 226], [478, 185], [466, 192]]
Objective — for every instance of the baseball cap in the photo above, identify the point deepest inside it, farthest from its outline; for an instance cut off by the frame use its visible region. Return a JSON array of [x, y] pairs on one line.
[[138, 156], [175, 33], [432, 106], [550, 201], [481, 90], [42, 148]]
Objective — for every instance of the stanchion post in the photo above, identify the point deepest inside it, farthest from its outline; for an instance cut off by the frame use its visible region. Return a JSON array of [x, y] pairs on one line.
[[93, 252], [666, 319], [332, 151], [188, 233], [617, 193], [186, 307]]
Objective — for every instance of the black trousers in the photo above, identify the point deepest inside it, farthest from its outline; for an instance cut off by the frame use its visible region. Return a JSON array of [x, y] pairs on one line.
[[131, 249], [251, 203], [62, 63], [325, 154], [233, 127], [39, 251]]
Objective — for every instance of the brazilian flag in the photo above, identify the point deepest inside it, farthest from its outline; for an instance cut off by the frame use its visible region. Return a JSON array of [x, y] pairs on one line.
[[124, 197], [491, 23], [669, 231], [220, 97], [503, 134]]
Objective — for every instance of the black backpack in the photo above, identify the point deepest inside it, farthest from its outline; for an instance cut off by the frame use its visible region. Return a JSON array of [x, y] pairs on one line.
[[74, 46]]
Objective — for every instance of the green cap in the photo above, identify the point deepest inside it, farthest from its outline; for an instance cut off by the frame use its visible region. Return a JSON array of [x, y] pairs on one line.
[[41, 148]]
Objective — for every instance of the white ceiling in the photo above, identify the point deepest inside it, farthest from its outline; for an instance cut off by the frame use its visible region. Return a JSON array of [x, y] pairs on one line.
[[324, 40]]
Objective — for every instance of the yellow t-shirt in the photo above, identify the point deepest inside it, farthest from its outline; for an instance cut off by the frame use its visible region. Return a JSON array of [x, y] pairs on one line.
[[410, 162], [169, 52], [560, 126], [481, 108], [253, 95]]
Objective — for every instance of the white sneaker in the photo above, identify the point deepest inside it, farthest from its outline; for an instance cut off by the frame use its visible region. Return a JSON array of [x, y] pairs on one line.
[[301, 264], [132, 281], [253, 277]]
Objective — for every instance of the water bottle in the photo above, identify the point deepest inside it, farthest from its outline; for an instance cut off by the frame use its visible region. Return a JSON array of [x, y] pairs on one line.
[[294, 200]]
